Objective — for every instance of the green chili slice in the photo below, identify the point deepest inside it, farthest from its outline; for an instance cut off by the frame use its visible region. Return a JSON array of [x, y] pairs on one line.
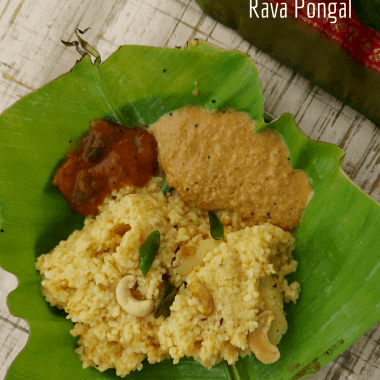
[[163, 307], [165, 188], [148, 251], [216, 226]]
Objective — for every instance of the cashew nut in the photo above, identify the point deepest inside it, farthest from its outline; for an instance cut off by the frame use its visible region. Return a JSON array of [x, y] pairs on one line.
[[185, 260], [188, 256], [259, 342], [130, 304], [274, 302], [199, 290]]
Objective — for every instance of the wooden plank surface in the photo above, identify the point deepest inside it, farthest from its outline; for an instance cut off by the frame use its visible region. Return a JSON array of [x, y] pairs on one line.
[[31, 55]]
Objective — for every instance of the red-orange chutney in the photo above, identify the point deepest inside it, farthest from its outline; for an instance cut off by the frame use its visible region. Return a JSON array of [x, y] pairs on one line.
[[107, 157]]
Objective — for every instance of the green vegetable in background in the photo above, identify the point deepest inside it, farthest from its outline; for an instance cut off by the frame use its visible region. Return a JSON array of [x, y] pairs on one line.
[[216, 226], [368, 11], [321, 60], [148, 251], [337, 242]]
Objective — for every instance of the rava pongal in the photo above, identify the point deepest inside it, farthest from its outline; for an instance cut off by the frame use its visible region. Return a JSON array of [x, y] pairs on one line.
[[199, 297], [81, 276]]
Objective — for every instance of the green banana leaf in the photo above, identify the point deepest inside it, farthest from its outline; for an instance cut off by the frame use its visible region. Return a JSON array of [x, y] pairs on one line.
[[337, 243]]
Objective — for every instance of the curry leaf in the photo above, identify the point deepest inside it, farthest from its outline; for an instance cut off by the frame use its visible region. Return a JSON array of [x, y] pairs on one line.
[[148, 251], [216, 226], [165, 188], [163, 307]]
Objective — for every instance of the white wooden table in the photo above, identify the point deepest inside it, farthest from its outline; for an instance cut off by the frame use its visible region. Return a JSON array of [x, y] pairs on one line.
[[31, 55]]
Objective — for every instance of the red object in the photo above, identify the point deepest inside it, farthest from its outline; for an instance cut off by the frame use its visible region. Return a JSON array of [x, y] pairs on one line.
[[354, 37], [107, 157]]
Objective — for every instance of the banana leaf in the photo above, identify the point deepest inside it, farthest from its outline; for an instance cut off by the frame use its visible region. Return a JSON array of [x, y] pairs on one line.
[[337, 244]]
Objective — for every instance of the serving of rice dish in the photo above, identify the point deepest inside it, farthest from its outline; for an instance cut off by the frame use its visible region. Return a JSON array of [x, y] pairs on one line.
[[242, 279]]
